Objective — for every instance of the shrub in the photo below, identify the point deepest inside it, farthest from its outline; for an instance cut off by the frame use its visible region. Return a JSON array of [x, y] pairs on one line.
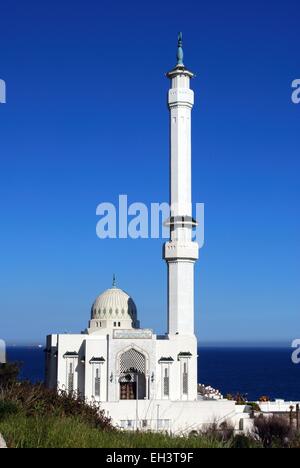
[[264, 399], [9, 373], [221, 433], [254, 406], [273, 431], [295, 442], [238, 397], [36, 400], [242, 441], [7, 408]]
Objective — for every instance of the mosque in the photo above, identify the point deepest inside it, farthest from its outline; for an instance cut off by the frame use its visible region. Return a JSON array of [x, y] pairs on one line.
[[143, 380]]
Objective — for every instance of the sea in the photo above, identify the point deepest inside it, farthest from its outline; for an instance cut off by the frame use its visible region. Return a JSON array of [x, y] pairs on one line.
[[251, 372]]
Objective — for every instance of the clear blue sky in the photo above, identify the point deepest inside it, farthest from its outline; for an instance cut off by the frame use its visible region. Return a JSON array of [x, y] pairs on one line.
[[86, 120]]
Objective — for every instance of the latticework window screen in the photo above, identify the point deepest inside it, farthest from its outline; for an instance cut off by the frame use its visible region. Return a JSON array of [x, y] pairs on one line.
[[185, 384], [166, 383], [132, 361], [97, 383], [70, 378]]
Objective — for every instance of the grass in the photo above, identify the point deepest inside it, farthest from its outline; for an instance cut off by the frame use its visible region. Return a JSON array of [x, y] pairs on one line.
[[21, 431], [32, 416]]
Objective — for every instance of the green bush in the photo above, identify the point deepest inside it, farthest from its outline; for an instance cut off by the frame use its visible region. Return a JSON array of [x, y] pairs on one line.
[[242, 441], [7, 408], [36, 400], [9, 373], [253, 405]]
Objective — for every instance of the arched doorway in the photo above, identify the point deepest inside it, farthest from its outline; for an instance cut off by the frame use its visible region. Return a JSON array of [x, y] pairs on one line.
[[132, 375]]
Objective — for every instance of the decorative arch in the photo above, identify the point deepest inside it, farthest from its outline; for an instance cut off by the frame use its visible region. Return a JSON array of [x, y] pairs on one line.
[[138, 350], [132, 367]]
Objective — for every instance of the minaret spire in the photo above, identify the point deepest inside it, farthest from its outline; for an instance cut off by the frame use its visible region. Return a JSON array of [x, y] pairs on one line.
[[179, 50]]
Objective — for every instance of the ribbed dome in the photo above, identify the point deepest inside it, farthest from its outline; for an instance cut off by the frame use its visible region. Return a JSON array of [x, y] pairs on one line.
[[114, 304]]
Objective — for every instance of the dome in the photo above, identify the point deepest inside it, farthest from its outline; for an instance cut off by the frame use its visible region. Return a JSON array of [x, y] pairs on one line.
[[114, 304]]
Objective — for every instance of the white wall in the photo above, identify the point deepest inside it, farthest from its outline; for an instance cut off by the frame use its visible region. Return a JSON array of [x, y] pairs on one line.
[[110, 349], [183, 416]]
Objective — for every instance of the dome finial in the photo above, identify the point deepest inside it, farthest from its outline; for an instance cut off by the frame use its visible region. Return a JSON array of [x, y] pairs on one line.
[[179, 50], [114, 281]]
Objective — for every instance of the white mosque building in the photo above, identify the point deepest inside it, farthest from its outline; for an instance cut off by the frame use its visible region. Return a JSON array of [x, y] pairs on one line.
[[143, 380]]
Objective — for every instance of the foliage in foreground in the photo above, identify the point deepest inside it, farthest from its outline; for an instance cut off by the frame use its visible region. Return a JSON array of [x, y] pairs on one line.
[[32, 416], [61, 430], [276, 431], [32, 401], [20, 431], [9, 373]]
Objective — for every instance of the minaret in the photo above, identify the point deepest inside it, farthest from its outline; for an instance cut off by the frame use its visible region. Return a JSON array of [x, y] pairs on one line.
[[180, 252]]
